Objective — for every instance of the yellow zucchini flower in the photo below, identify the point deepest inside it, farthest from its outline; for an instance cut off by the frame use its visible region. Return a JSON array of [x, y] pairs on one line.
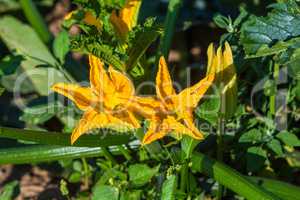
[[170, 112], [221, 63], [104, 102], [126, 19]]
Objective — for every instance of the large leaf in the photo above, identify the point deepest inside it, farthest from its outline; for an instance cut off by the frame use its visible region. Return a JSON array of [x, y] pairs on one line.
[[289, 139], [282, 23], [140, 174], [105, 192], [169, 188], [22, 40], [256, 157], [61, 45], [53, 138], [251, 136]]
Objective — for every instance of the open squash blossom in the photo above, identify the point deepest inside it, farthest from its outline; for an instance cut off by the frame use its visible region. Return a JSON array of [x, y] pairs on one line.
[[103, 102], [170, 112], [221, 63], [126, 19]]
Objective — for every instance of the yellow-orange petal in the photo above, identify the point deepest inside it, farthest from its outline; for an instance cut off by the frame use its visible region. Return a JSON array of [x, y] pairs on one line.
[[129, 13], [99, 78], [90, 120], [153, 133], [146, 106], [83, 97], [122, 84], [119, 25], [190, 97], [195, 133], [164, 85], [90, 19]]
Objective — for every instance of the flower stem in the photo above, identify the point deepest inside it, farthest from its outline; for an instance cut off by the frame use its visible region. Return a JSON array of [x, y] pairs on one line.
[[220, 133], [35, 19], [125, 152], [183, 177], [86, 172], [108, 156]]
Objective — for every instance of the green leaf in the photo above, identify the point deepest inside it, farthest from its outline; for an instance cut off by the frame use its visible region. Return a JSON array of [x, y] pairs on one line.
[[105, 192], [275, 146], [54, 138], [38, 114], [140, 174], [289, 139], [256, 157], [252, 136], [188, 144], [229, 178], [75, 177], [260, 32], [9, 64], [22, 38], [8, 191], [169, 188], [61, 45], [209, 109], [141, 42], [132, 195], [283, 190], [44, 77]]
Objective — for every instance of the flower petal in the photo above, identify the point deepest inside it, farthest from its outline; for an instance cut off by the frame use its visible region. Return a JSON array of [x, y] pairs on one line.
[[122, 84], [129, 13], [153, 133], [119, 25], [90, 120], [164, 85], [98, 77], [129, 118], [90, 19], [148, 107], [196, 134], [190, 97], [83, 97]]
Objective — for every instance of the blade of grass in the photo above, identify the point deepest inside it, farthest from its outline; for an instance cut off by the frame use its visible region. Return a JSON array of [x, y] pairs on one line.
[[229, 178], [46, 153], [283, 190], [169, 26], [53, 138], [35, 19]]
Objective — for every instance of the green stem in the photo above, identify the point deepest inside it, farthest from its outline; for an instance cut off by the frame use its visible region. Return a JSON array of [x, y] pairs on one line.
[[125, 152], [169, 27], [220, 133], [183, 177], [273, 97], [86, 172], [35, 19], [108, 156]]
